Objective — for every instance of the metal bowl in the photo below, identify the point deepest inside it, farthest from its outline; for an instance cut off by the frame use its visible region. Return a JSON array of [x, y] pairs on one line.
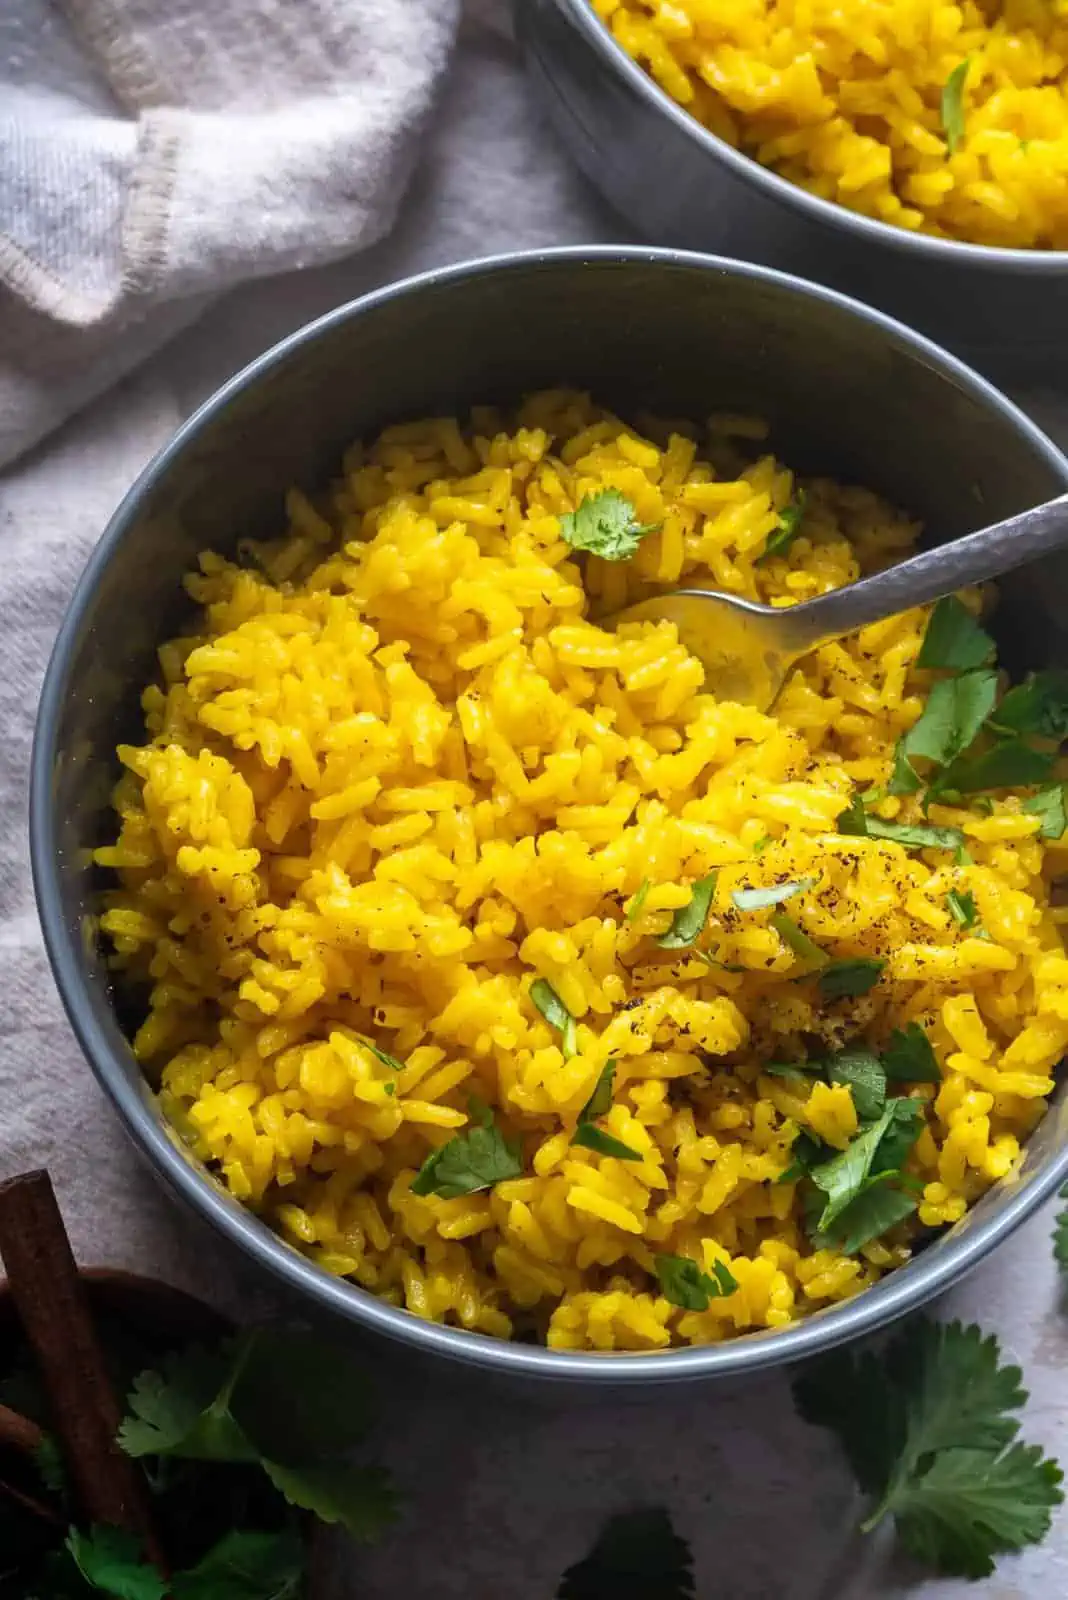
[[681, 185], [846, 392]]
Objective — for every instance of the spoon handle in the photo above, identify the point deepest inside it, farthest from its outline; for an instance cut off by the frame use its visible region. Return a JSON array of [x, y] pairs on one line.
[[976, 558]]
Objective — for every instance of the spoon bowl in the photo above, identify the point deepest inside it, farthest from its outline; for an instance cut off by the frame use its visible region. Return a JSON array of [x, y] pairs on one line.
[[747, 649]]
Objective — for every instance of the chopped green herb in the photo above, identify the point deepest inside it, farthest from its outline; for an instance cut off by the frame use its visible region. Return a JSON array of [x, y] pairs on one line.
[[927, 1430], [591, 1137], [1039, 706], [954, 641], [469, 1162], [795, 1071], [877, 1208], [606, 525], [556, 1014], [909, 1056], [762, 844], [864, 1077], [1048, 806], [953, 105], [904, 779], [878, 1149], [382, 1055], [600, 1100], [797, 939], [688, 923], [588, 1134], [807, 1152], [913, 835], [685, 1284], [758, 899], [1009, 765], [358, 1498], [962, 908], [782, 537], [850, 976], [641, 894], [955, 711], [638, 1556]]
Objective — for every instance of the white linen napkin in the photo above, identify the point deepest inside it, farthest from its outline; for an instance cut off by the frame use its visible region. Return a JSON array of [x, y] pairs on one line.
[[156, 152]]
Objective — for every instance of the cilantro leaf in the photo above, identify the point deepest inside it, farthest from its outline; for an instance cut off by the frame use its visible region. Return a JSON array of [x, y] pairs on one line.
[[1048, 806], [842, 1178], [781, 538], [360, 1498], [606, 525], [556, 1014], [903, 1129], [879, 1149], [916, 835], [110, 1559], [637, 1556], [1038, 706], [953, 105], [469, 1162], [245, 1565], [864, 1077], [875, 1209], [954, 641], [638, 900], [759, 899], [183, 1409], [591, 1137], [849, 976], [1008, 765], [970, 1506], [797, 939], [807, 1152], [849, 1394], [955, 711], [689, 920], [301, 1396], [962, 908], [904, 779], [686, 1284], [855, 821], [928, 1431], [909, 1056]]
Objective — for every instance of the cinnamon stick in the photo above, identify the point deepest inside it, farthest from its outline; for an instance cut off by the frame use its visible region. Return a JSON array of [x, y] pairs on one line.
[[51, 1302], [19, 1432]]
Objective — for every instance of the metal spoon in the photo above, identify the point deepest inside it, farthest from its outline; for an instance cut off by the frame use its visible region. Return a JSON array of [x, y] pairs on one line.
[[747, 649]]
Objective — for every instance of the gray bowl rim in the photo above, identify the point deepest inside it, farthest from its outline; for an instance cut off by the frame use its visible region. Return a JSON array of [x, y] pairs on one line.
[[898, 1294], [955, 252]]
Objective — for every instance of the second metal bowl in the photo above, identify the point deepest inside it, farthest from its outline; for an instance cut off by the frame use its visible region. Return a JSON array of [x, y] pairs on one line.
[[1005, 310]]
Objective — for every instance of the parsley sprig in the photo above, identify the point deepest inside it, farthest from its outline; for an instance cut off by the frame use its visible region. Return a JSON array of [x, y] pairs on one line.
[[606, 525], [928, 1430]]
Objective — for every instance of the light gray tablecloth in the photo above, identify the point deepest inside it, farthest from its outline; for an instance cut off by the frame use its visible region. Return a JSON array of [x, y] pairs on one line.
[[501, 1494]]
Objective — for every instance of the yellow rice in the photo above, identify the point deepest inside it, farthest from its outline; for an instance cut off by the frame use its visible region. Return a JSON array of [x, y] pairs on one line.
[[396, 773], [844, 98]]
